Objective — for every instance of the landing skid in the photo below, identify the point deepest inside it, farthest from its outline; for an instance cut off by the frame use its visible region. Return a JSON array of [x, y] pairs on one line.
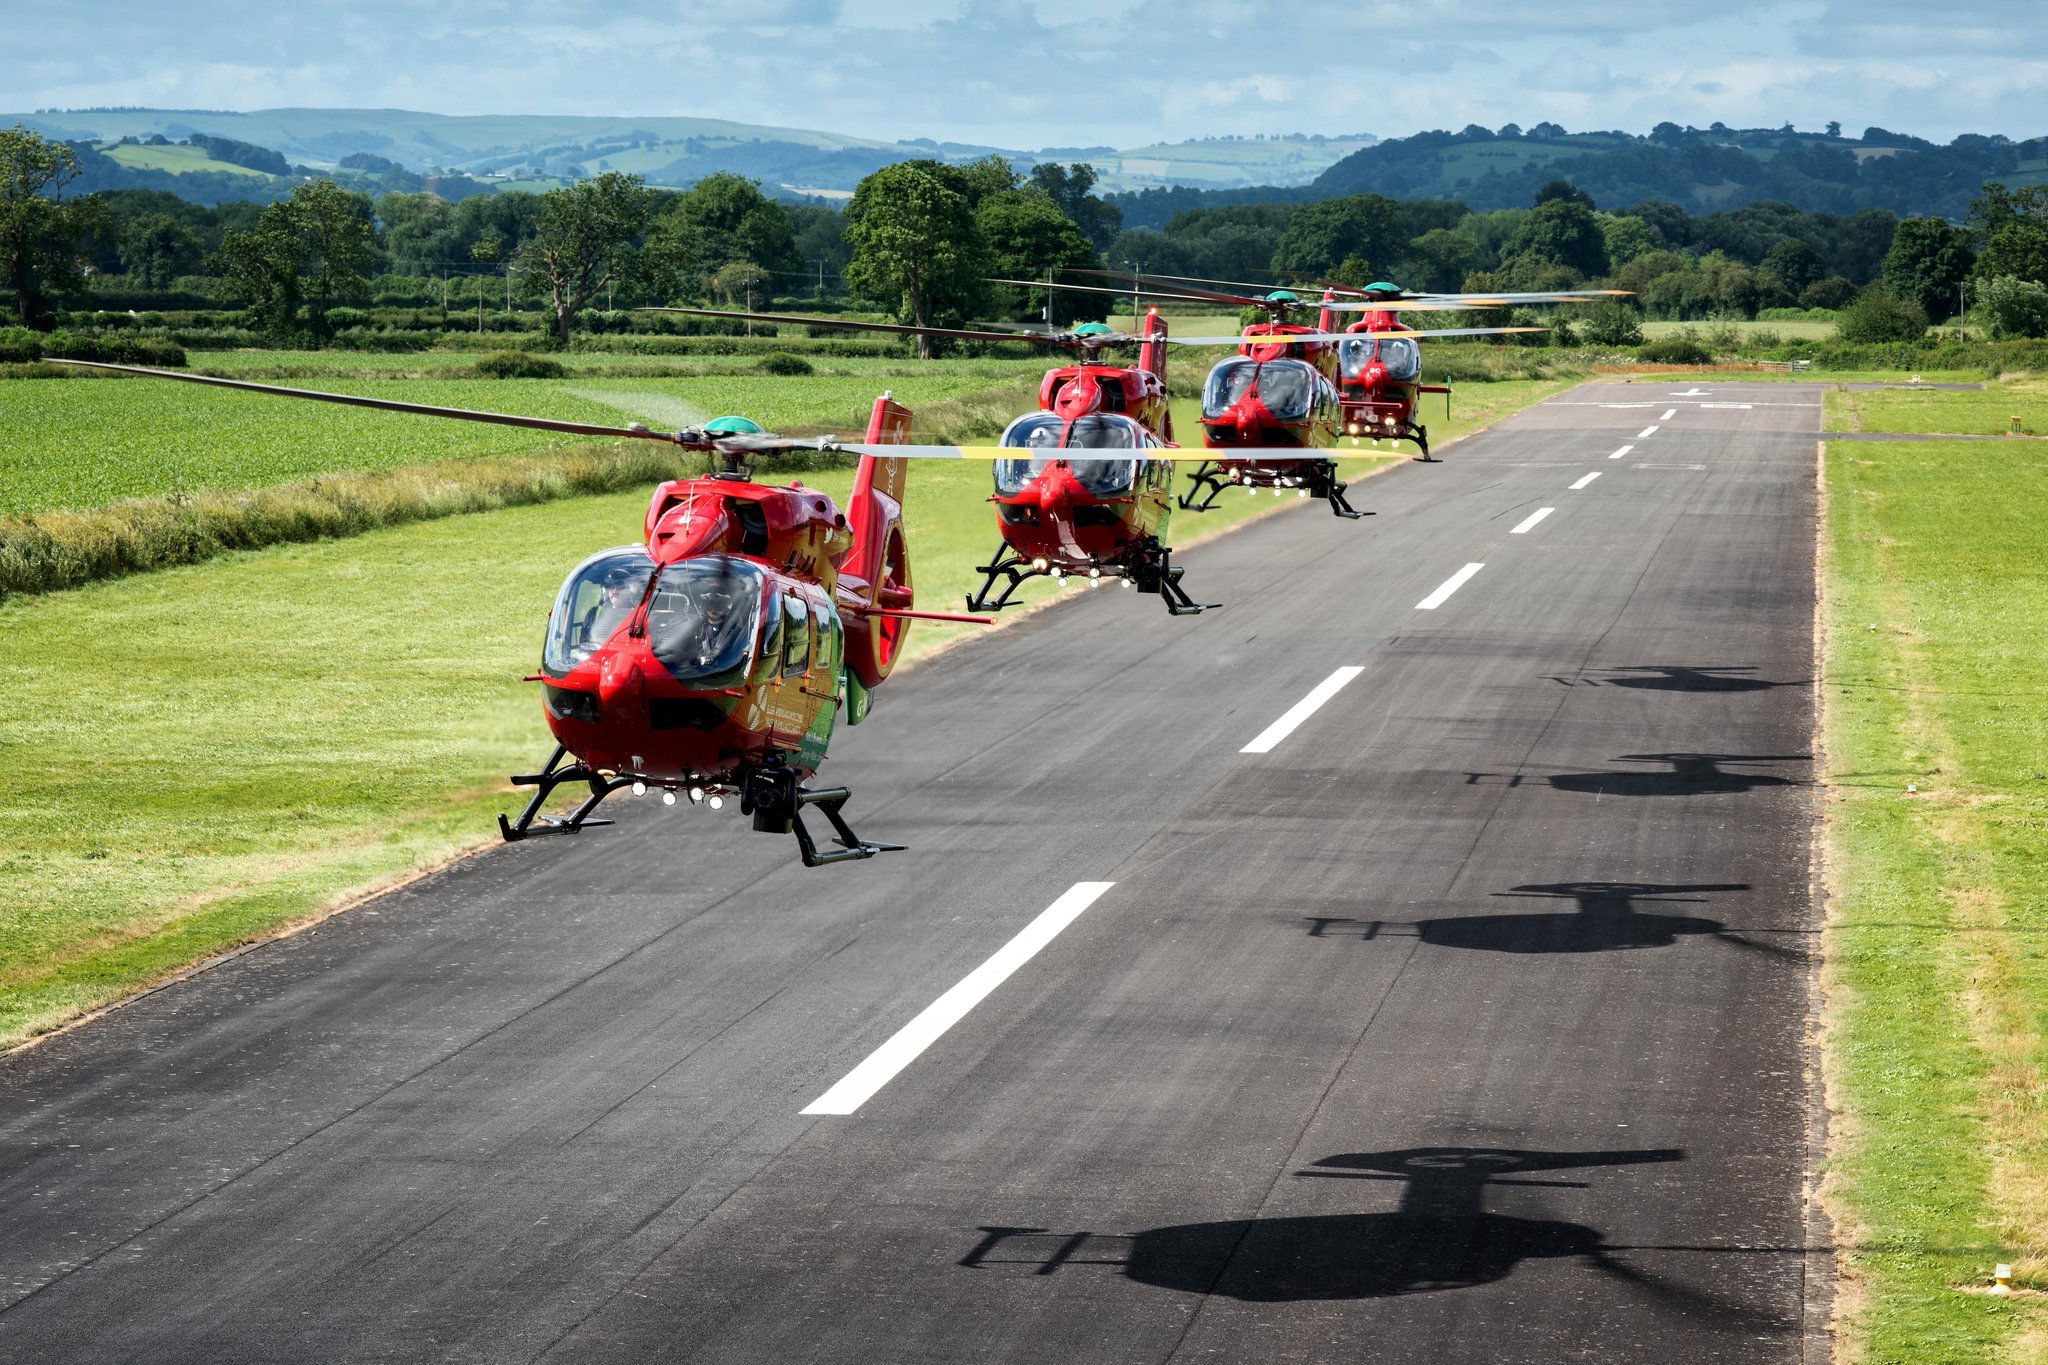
[[1153, 571], [1009, 568], [771, 794], [1321, 481]]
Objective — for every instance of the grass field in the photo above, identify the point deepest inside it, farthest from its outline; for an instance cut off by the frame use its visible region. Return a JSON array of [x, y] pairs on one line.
[[1801, 329], [1936, 586], [82, 443], [177, 160], [1986, 413]]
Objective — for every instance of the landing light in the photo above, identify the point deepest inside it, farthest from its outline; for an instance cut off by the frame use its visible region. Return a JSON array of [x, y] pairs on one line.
[[1038, 564], [717, 803], [668, 796], [696, 795], [639, 788]]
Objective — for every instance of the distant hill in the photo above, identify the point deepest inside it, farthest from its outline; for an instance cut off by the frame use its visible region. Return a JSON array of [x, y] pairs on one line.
[[1703, 170], [534, 150]]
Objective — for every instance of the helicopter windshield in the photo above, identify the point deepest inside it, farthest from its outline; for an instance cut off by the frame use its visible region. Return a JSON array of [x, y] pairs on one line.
[[599, 596], [1403, 361], [701, 620], [1287, 388], [1041, 432]]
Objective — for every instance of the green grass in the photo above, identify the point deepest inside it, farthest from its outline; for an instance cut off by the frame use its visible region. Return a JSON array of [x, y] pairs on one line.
[[1800, 329], [83, 443], [1986, 413], [1937, 946]]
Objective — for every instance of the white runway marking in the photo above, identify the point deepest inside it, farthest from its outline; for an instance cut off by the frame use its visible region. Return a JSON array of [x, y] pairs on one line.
[[1530, 521], [1694, 392], [1736, 405], [1306, 707], [881, 1066], [1619, 453], [1450, 585], [1627, 405], [1583, 482], [1646, 431], [1670, 413]]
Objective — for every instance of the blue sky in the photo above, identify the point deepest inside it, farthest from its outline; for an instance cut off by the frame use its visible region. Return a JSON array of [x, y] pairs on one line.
[[1025, 74]]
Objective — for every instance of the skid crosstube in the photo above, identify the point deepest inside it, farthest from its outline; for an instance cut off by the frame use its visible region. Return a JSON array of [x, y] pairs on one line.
[[770, 793]]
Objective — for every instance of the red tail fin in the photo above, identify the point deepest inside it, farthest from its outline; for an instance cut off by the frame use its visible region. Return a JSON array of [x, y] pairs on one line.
[[876, 571], [1152, 355]]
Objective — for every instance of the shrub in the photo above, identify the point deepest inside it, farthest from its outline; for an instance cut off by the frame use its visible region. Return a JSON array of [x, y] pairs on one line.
[[1676, 349], [2014, 307], [19, 346], [1613, 323], [1829, 294], [1879, 315], [783, 362], [1722, 339], [518, 365]]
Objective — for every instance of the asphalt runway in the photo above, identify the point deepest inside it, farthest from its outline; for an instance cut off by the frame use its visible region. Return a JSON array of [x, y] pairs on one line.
[[1467, 1021]]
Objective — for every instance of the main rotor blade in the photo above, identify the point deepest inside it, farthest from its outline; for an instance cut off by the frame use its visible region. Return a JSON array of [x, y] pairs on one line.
[[1449, 302], [1139, 278], [959, 333], [1166, 295], [1293, 338], [502, 419], [1093, 455]]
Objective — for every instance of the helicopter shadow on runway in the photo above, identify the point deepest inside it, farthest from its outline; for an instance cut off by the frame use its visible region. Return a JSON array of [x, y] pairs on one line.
[[1607, 919], [1677, 678], [1689, 775], [1441, 1237]]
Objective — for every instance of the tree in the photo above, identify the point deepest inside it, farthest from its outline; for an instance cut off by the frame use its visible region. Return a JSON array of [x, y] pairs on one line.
[[1028, 237], [916, 247], [1880, 315], [1068, 186], [1626, 238], [1927, 260], [1562, 191], [1323, 233], [1439, 260], [156, 248], [1834, 128], [43, 236], [2014, 307], [1833, 291], [584, 241], [1795, 264], [1561, 231], [306, 254], [721, 221], [2012, 226]]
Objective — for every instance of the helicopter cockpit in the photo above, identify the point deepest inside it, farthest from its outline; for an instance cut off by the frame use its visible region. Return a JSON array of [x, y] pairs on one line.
[[1398, 355], [1287, 388], [701, 616], [1054, 436]]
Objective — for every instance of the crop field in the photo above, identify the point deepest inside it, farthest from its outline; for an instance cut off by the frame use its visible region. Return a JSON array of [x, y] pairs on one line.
[[86, 442], [1936, 733], [178, 160], [1795, 329], [261, 364]]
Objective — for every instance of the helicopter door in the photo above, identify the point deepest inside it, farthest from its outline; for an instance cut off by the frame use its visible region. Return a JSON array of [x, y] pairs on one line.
[[787, 718]]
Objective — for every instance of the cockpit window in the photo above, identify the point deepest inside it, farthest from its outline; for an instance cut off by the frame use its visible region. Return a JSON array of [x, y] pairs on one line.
[[1398, 354], [1287, 388], [599, 596], [702, 620], [1043, 432]]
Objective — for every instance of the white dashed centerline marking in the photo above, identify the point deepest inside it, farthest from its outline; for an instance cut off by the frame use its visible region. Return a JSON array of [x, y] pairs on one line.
[[881, 1066], [1669, 413], [1306, 707], [1619, 453], [1646, 431], [1450, 585], [1529, 522], [1583, 482]]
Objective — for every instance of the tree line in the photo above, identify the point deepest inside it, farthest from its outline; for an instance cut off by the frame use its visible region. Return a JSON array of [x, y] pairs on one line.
[[922, 239]]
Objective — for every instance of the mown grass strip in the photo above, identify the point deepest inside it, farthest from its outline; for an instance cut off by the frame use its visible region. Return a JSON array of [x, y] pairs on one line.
[[1936, 584]]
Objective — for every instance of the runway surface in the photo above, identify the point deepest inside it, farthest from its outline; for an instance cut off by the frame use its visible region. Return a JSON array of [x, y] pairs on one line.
[[1463, 1020]]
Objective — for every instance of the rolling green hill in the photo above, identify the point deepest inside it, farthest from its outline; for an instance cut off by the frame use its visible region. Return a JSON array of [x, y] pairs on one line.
[[524, 148]]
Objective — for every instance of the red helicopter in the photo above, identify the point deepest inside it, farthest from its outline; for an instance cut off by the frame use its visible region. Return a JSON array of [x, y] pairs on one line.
[[1282, 389], [714, 658], [1074, 519]]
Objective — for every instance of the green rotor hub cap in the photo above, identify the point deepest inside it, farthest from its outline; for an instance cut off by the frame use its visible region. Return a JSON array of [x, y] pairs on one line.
[[732, 426], [1093, 329]]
